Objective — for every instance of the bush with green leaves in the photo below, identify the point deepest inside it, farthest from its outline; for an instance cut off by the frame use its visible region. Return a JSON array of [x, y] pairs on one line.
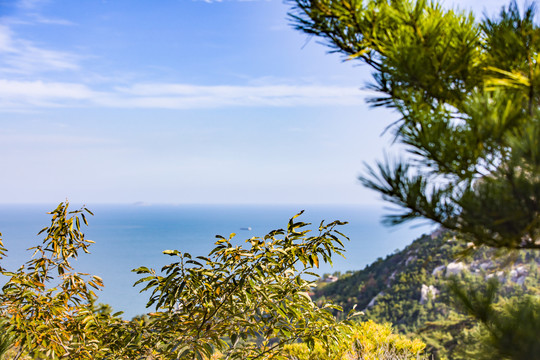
[[245, 302], [45, 298], [49, 308]]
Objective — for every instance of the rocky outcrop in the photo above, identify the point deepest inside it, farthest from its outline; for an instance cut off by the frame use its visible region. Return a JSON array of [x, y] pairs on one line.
[[427, 293]]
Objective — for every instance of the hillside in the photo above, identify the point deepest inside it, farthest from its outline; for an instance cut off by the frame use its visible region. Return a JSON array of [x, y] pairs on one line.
[[409, 287]]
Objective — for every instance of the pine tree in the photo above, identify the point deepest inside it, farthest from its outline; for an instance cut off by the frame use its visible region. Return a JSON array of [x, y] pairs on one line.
[[468, 97], [467, 93]]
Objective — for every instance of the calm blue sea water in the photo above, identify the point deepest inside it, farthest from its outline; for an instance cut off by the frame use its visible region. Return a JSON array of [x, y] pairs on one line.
[[129, 236]]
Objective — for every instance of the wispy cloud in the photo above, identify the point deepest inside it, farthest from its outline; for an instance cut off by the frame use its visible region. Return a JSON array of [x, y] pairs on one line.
[[18, 96], [22, 61], [30, 4], [40, 19], [20, 56], [38, 94], [43, 90], [194, 96]]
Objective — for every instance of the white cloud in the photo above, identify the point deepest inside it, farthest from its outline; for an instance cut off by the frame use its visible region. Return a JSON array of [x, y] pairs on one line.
[[23, 57], [44, 90], [193, 96], [20, 56], [24, 94], [21, 60]]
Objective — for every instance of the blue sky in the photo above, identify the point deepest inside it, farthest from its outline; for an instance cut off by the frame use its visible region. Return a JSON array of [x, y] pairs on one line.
[[123, 101]]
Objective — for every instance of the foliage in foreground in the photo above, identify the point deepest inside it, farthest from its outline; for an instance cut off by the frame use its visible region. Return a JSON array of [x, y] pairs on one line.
[[509, 328], [246, 302], [467, 94], [243, 302], [45, 301], [365, 341]]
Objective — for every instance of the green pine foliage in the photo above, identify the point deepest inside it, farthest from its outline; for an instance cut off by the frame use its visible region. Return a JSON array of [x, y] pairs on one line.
[[509, 327], [467, 93]]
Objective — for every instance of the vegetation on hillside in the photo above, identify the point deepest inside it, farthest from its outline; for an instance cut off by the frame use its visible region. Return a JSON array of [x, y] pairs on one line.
[[415, 290]]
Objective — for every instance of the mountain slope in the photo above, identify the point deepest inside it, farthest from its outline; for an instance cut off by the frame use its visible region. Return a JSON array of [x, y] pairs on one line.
[[409, 288]]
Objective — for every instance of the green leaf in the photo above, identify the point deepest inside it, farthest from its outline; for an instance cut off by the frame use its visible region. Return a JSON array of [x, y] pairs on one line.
[[172, 252]]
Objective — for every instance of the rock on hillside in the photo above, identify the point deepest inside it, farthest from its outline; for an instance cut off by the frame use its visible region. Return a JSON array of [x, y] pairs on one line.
[[408, 289]]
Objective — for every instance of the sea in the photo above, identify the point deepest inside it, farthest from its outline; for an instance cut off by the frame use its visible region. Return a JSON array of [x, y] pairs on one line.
[[129, 236]]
